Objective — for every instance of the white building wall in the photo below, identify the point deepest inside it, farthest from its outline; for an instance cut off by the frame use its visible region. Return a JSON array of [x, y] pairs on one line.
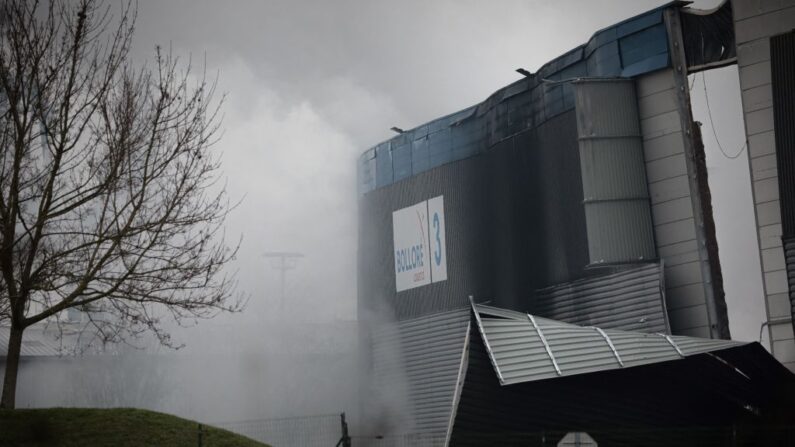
[[755, 21], [671, 203]]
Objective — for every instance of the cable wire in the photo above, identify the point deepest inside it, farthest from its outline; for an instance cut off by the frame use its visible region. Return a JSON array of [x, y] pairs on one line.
[[712, 123]]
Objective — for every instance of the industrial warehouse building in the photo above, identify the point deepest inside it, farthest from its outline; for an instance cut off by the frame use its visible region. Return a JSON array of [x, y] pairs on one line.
[[545, 262]]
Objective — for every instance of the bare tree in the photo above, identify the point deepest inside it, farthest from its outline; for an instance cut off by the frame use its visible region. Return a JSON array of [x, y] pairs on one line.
[[109, 194]]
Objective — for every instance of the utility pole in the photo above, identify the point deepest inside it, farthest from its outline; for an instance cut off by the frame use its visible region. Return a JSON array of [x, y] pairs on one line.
[[283, 261]]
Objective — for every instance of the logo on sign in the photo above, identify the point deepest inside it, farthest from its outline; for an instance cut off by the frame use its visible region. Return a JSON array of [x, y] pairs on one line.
[[413, 234]]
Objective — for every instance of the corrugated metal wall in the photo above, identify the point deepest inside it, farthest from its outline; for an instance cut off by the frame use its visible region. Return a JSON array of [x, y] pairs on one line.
[[789, 258], [782, 67], [511, 226], [631, 300], [415, 368], [616, 197]]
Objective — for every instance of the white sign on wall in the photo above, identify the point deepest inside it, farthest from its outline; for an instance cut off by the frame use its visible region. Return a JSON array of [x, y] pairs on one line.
[[419, 244]]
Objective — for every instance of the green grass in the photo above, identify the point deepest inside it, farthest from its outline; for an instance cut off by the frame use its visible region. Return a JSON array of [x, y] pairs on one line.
[[117, 427]]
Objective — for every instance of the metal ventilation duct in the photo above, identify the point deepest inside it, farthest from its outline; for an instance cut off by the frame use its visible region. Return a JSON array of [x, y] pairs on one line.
[[616, 198]]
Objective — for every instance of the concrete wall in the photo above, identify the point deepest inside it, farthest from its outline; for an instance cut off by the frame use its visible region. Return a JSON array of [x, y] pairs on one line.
[[754, 23], [671, 203]]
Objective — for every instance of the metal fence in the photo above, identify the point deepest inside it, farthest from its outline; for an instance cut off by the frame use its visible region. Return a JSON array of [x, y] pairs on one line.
[[404, 440], [304, 431]]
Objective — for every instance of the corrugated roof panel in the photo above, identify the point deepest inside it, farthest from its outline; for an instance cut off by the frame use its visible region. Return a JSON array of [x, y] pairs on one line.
[[525, 348], [485, 309]]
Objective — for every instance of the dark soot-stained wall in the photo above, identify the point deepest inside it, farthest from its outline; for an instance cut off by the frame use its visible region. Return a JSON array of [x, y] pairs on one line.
[[514, 223]]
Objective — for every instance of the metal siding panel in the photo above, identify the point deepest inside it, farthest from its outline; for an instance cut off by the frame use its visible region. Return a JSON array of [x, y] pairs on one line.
[[683, 274], [776, 282], [755, 75], [657, 103], [763, 167], [684, 296], [753, 52], [672, 211], [678, 249], [629, 300], [782, 66], [617, 213], [666, 168], [641, 46], [781, 332], [420, 156], [660, 125], [773, 259], [785, 350], [654, 82], [744, 9], [765, 25], [789, 257], [674, 232], [619, 231], [662, 147], [465, 213], [669, 189], [759, 121], [768, 213], [606, 108], [779, 305], [401, 161], [383, 165], [757, 98], [612, 169], [688, 317], [769, 236], [424, 355]]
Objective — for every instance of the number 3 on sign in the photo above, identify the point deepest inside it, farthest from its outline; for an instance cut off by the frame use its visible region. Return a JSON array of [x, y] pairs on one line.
[[437, 252], [437, 240]]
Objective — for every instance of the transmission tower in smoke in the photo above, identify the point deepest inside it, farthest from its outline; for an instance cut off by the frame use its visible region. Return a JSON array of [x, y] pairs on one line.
[[283, 261]]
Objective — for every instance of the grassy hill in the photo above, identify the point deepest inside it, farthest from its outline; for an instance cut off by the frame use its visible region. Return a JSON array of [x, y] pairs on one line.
[[118, 427]]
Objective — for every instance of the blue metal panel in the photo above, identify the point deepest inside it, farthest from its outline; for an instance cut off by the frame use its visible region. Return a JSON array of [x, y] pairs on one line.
[[366, 171], [605, 60], [645, 44], [635, 46], [647, 65], [401, 161], [639, 23], [466, 139], [420, 157], [383, 165], [440, 147]]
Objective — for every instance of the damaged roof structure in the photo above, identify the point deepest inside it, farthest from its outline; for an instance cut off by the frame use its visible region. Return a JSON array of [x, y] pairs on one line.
[[493, 376], [573, 205]]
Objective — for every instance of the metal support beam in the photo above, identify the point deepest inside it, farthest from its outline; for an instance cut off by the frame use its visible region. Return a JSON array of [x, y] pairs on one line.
[[485, 340], [544, 341]]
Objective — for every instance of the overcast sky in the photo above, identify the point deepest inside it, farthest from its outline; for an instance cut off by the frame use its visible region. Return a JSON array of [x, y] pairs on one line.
[[312, 84]]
